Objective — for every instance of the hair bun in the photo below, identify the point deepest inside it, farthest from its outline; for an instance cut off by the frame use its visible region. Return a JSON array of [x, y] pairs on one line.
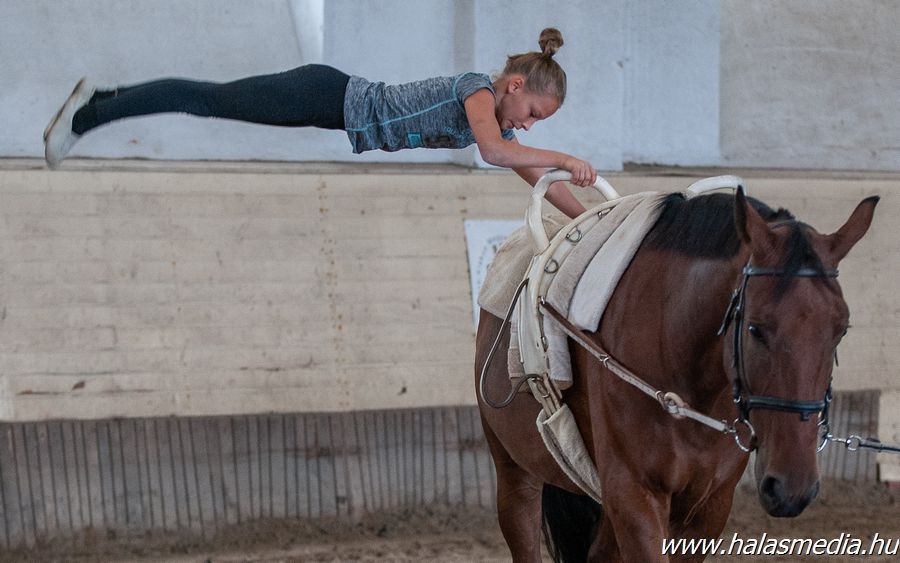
[[550, 41]]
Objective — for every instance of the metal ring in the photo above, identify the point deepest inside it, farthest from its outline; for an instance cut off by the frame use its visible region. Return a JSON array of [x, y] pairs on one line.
[[671, 403], [555, 268], [853, 442], [661, 398], [574, 239], [737, 436], [667, 403], [538, 382]]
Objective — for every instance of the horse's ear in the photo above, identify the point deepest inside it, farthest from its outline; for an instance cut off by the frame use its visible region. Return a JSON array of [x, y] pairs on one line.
[[751, 227], [854, 229]]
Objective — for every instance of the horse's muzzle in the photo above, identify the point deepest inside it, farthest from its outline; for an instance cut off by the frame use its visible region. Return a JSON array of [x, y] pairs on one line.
[[778, 501]]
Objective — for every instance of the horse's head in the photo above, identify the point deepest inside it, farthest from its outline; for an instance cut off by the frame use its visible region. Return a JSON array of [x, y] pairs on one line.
[[791, 317]]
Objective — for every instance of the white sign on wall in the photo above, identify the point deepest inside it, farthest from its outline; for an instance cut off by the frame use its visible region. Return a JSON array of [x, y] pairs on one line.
[[483, 237]]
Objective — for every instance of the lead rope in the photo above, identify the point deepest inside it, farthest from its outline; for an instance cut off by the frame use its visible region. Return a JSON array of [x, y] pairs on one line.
[[855, 442]]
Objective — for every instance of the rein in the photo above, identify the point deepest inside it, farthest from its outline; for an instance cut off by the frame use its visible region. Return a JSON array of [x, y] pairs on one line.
[[490, 358], [670, 402]]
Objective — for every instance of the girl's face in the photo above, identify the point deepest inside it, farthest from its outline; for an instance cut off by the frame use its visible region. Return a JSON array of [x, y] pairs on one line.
[[519, 108]]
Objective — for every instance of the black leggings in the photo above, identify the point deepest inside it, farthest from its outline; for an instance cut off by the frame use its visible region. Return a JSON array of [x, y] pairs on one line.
[[311, 95]]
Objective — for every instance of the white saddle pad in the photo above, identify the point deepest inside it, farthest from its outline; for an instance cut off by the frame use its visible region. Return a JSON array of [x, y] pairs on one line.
[[585, 280], [589, 276], [508, 267]]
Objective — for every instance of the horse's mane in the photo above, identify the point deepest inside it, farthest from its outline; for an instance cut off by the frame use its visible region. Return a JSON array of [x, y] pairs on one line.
[[704, 227]]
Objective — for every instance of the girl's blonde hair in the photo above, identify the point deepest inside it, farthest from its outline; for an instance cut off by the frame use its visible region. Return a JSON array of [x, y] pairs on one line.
[[542, 74]]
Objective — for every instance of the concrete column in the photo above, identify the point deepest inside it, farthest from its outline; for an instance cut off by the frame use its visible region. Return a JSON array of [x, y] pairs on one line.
[[671, 67]]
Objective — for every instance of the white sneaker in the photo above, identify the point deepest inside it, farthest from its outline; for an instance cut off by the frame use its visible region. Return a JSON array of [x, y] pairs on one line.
[[58, 136]]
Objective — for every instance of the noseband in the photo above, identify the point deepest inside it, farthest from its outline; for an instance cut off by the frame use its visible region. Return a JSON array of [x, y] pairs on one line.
[[744, 400]]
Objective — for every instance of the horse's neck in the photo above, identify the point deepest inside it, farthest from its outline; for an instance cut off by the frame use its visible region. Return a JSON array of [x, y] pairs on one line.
[[678, 302], [704, 299]]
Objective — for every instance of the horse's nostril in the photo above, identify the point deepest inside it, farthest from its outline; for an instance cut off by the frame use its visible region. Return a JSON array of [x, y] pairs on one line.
[[777, 500], [772, 489]]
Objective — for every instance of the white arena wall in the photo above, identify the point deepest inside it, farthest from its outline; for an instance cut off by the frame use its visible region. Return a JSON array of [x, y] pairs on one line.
[[801, 84]]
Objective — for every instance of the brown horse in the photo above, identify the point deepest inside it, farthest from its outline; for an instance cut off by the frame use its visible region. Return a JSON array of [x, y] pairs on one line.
[[769, 363]]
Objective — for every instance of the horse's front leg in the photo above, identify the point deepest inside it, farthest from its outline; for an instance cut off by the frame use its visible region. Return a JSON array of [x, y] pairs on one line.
[[639, 518], [704, 519], [604, 546]]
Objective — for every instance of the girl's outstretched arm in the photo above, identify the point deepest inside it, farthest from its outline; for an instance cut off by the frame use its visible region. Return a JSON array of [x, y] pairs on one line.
[[498, 151]]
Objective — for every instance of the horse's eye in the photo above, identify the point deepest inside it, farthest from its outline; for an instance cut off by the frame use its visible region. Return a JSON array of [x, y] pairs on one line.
[[756, 333]]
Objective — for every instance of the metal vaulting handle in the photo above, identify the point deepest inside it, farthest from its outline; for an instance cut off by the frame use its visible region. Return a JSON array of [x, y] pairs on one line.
[[539, 236]]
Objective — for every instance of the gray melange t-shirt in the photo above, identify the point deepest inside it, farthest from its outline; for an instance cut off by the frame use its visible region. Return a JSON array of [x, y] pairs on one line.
[[428, 113]]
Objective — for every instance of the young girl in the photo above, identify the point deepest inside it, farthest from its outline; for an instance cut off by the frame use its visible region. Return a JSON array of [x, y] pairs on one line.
[[446, 112]]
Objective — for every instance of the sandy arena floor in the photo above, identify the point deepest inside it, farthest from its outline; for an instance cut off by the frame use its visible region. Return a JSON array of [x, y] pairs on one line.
[[448, 535]]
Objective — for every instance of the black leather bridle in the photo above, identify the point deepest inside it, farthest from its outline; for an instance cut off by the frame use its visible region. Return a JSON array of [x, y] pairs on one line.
[[743, 398]]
